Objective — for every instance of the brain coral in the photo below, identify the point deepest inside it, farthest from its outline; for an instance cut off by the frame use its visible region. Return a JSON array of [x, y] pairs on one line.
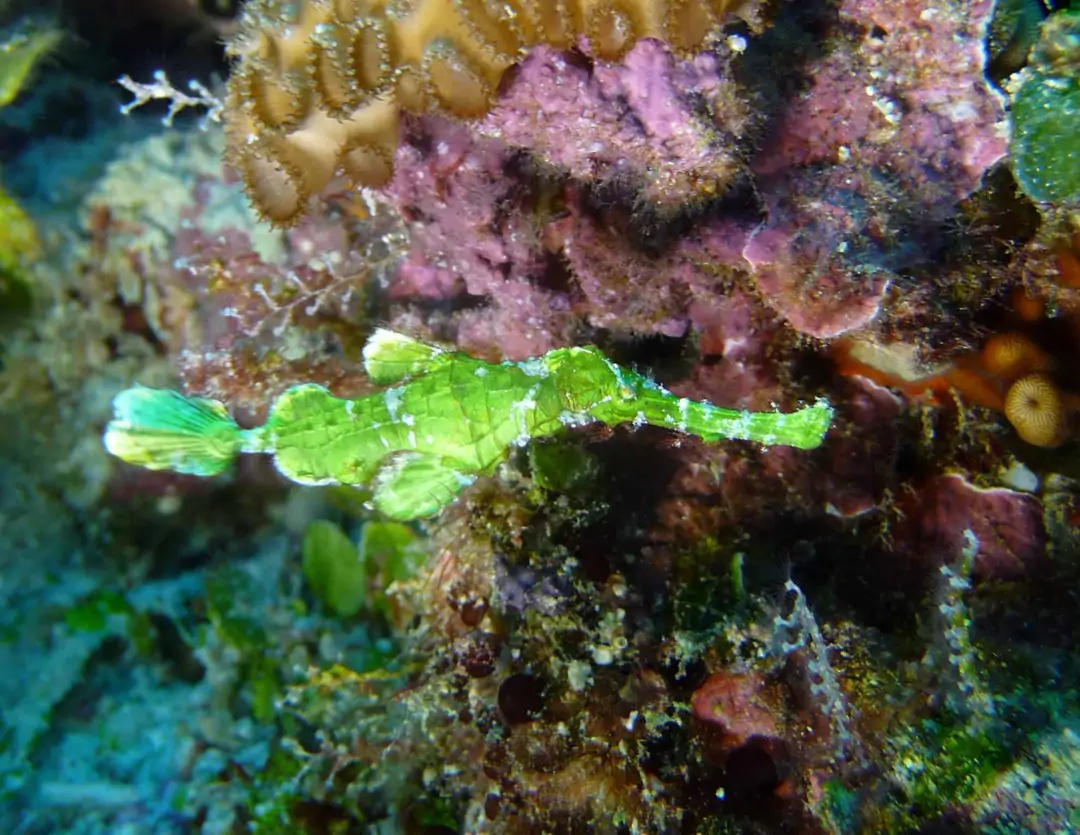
[[318, 86]]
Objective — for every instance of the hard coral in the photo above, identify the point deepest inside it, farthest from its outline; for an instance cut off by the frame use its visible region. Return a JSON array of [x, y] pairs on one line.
[[1035, 409], [319, 86]]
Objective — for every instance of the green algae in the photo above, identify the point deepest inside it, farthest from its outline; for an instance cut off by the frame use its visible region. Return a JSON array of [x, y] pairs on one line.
[[958, 761], [93, 613], [334, 568], [1045, 115], [348, 577], [20, 52]]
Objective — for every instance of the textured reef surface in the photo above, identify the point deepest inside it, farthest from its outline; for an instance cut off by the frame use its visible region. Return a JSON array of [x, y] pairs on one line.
[[662, 417]]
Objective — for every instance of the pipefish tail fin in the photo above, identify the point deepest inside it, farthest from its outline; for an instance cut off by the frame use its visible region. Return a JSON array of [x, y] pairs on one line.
[[164, 430], [391, 357]]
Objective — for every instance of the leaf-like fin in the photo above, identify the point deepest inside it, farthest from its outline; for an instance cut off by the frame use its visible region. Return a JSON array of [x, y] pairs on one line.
[[390, 357], [411, 485], [163, 430]]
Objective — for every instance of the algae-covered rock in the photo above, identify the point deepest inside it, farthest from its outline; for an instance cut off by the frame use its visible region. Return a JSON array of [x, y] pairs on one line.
[[1046, 116]]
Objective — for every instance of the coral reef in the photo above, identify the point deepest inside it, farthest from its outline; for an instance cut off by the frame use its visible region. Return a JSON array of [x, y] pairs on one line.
[[609, 618]]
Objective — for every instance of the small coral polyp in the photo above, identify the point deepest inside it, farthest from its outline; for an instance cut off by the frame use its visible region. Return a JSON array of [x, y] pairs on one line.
[[319, 86]]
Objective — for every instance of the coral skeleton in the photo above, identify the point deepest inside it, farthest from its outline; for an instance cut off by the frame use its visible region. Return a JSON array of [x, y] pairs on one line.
[[449, 419]]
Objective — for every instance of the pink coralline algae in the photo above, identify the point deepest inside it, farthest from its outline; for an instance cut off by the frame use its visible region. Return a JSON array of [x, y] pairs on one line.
[[820, 260], [468, 231], [552, 210], [246, 318], [527, 212], [734, 338], [479, 229], [1007, 524], [473, 234], [652, 124], [625, 287], [900, 103], [259, 324], [905, 95]]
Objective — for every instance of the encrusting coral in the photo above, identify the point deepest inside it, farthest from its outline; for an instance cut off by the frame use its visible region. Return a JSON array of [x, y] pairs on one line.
[[318, 87]]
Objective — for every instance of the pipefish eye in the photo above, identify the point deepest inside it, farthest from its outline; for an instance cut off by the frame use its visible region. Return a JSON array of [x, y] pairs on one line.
[[626, 393]]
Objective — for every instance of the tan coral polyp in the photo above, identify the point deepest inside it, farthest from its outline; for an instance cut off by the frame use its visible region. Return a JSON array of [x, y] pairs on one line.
[[501, 31], [370, 56], [276, 190], [368, 165], [313, 151], [335, 90], [458, 83], [372, 137], [688, 24], [554, 21], [1035, 408], [614, 27], [276, 101]]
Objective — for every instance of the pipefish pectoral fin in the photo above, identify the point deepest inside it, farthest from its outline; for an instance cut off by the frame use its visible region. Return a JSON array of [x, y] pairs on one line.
[[413, 485]]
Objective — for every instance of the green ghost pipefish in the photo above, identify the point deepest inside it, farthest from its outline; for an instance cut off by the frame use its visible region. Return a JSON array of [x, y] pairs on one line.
[[447, 419]]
